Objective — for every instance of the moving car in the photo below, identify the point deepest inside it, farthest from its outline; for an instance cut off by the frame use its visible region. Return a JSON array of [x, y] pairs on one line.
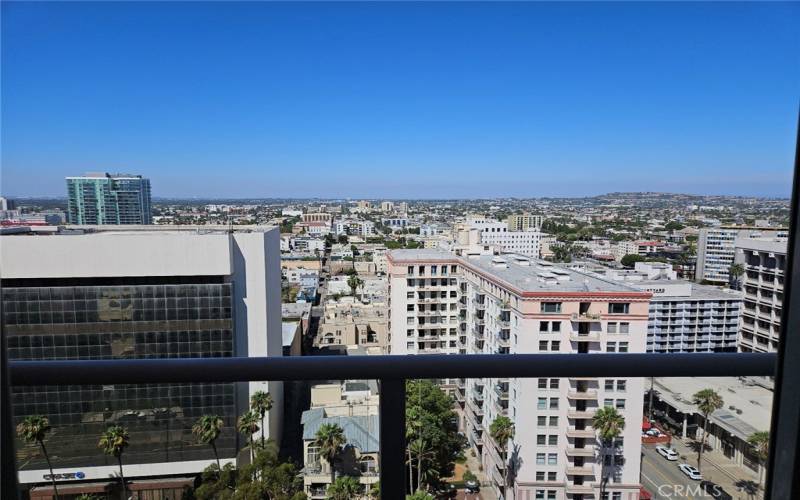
[[715, 491], [667, 453], [472, 487], [691, 472]]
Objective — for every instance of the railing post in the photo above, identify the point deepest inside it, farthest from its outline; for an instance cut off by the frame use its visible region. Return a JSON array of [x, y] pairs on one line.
[[392, 438]]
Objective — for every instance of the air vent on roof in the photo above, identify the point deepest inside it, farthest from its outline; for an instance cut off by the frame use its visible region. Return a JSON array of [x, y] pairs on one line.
[[498, 262]]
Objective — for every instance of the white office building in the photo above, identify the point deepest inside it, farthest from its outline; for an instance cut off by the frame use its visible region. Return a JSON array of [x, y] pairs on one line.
[[498, 235], [444, 303], [716, 249]]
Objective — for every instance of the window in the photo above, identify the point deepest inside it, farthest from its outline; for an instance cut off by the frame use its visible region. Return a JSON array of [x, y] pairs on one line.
[[313, 455], [541, 421], [540, 476], [554, 403], [410, 332], [410, 320], [409, 307], [433, 270], [540, 457], [618, 308], [552, 459], [542, 383], [623, 347], [421, 270], [452, 269], [542, 404], [410, 269], [620, 404], [552, 440], [551, 307], [551, 495], [623, 327], [612, 327], [541, 439], [409, 345], [554, 383], [544, 326], [609, 385], [409, 295], [542, 345], [621, 385], [611, 347], [551, 476], [539, 494], [555, 345], [553, 421], [556, 326], [608, 403]]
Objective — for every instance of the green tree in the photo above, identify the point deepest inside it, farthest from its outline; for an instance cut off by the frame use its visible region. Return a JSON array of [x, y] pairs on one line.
[[707, 402], [330, 440], [354, 282], [562, 252], [375, 491], [608, 423], [342, 239], [207, 429], [430, 418], [673, 226], [113, 442], [248, 425], [502, 431], [469, 476], [261, 403], [420, 495], [629, 260], [760, 442], [344, 488], [735, 272], [34, 429]]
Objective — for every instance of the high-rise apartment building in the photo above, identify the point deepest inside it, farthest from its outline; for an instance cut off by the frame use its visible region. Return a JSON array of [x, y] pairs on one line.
[[764, 261], [523, 222], [716, 249], [108, 199], [444, 303], [684, 316], [140, 293], [498, 235]]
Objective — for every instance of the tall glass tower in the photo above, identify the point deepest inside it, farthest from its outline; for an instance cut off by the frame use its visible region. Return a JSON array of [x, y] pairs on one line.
[[108, 199]]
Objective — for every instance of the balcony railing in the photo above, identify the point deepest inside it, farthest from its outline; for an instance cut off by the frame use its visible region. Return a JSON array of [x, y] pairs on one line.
[[392, 372]]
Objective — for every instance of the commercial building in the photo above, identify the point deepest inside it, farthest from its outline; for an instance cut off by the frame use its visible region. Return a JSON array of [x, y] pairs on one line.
[[108, 199], [684, 316], [497, 234], [764, 262], [316, 217], [142, 292], [441, 302], [716, 249], [641, 248], [353, 406], [523, 222], [387, 206]]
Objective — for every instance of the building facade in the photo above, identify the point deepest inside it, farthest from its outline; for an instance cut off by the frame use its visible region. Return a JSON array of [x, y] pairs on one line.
[[498, 235], [108, 199], [140, 294], [764, 262], [503, 304], [523, 222], [716, 249]]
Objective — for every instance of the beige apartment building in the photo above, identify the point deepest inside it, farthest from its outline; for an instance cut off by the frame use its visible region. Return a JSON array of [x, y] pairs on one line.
[[317, 217], [441, 302], [522, 222], [353, 324]]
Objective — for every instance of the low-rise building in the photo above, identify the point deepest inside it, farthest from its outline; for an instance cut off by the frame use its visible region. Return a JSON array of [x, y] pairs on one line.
[[353, 324]]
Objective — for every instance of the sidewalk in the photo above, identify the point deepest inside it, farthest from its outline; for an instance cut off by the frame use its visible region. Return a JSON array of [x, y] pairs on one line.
[[721, 470]]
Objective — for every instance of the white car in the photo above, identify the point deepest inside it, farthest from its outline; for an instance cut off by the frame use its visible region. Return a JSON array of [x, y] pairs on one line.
[[667, 453], [691, 472]]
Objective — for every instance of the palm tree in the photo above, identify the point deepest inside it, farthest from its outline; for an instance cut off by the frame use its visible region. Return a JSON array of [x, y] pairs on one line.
[[354, 282], [113, 442], [423, 451], [261, 402], [344, 488], [375, 491], [248, 425], [34, 429], [330, 440], [502, 431], [609, 425], [207, 430], [735, 272], [760, 443], [707, 401]]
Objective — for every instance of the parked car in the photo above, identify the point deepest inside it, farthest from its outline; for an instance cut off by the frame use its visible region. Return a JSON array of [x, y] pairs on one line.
[[667, 453], [715, 491], [691, 472], [472, 487]]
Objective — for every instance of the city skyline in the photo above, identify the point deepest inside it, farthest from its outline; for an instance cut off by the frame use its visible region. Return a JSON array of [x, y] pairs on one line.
[[390, 101]]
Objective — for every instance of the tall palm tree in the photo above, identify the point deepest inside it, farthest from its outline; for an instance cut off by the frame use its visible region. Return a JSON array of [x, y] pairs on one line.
[[609, 424], [113, 442], [261, 403], [34, 429], [207, 429], [330, 440], [248, 425], [354, 282], [502, 431], [735, 272], [760, 443], [707, 401], [422, 450]]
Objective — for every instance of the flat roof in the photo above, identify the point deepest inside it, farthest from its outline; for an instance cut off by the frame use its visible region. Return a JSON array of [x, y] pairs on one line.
[[699, 292]]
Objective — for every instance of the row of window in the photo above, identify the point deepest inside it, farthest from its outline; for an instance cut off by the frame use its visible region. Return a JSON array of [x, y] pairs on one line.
[[613, 308], [433, 270]]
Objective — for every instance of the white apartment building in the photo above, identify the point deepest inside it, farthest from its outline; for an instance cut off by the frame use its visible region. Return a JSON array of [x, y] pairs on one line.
[[684, 316], [764, 261], [642, 248], [387, 206], [498, 235], [716, 249], [444, 303], [118, 292]]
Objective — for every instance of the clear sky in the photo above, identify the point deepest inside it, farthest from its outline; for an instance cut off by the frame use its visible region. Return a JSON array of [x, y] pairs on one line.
[[402, 100]]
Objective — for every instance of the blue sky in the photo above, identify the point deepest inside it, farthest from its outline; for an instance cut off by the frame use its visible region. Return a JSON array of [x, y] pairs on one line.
[[402, 100]]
